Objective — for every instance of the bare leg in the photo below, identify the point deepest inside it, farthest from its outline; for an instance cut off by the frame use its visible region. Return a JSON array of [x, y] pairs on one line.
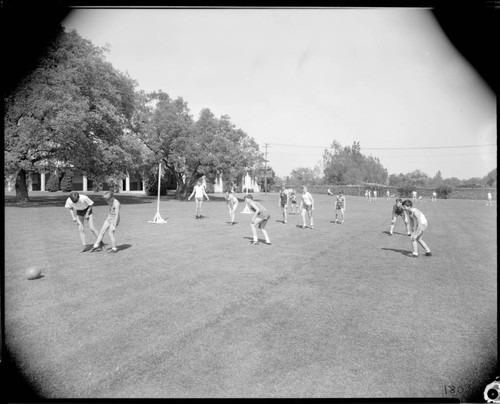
[[266, 236], [81, 230], [254, 233], [103, 231]]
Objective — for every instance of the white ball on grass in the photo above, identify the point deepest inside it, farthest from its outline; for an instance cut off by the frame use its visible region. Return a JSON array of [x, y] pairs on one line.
[[33, 272]]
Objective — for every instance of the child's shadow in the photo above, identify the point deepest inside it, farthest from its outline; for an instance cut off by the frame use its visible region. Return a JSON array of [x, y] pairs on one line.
[[121, 247], [404, 252], [251, 239]]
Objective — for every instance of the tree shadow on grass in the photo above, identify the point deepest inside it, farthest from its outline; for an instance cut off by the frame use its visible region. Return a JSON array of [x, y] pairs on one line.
[[404, 252]]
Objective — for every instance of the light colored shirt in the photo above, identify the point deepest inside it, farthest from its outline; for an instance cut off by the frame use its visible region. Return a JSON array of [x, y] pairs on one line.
[[307, 198], [199, 190], [417, 216], [114, 212], [232, 200], [83, 203]]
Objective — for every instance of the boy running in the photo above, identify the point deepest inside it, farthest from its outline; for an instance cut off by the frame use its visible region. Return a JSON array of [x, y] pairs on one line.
[[283, 202], [259, 219], [306, 206], [232, 204], [80, 207], [418, 224], [199, 193], [111, 222], [397, 210], [340, 205]]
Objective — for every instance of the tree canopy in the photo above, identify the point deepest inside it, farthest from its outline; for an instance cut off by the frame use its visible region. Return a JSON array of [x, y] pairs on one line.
[[190, 149], [347, 165], [72, 110]]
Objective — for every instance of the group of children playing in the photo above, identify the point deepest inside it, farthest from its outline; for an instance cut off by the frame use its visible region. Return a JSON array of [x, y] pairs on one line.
[[80, 207]]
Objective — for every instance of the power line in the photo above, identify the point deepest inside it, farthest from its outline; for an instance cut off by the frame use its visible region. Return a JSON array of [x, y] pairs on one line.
[[388, 148], [395, 156]]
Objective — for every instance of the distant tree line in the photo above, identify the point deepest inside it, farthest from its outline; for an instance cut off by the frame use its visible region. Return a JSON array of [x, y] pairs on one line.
[[348, 166]]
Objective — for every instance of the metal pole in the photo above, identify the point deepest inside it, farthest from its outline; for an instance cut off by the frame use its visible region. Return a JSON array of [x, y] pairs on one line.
[[265, 172], [159, 186]]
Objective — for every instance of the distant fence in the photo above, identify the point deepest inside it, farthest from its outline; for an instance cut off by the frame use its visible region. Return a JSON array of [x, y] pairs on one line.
[[359, 190]]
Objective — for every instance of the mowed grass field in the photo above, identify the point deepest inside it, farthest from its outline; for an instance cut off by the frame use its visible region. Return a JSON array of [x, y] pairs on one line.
[[190, 309]]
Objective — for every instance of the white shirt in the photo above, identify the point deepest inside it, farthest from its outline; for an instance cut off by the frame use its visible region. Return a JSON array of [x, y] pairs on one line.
[[198, 191], [307, 198], [417, 216], [83, 203]]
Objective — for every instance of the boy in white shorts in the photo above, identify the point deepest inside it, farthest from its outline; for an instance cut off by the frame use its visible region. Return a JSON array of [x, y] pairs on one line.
[[259, 220], [283, 200], [306, 206], [340, 205], [232, 204], [418, 224], [199, 193]]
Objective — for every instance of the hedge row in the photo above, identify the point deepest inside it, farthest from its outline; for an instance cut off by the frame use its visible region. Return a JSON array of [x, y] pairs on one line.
[[402, 192]]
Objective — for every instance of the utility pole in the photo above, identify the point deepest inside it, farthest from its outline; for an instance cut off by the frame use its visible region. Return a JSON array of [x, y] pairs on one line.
[[265, 171]]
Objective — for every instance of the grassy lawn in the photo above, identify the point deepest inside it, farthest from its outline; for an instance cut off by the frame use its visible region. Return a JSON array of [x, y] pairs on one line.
[[190, 309]]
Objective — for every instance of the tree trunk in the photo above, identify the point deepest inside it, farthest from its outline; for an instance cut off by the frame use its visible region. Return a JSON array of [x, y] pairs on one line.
[[181, 191], [21, 187]]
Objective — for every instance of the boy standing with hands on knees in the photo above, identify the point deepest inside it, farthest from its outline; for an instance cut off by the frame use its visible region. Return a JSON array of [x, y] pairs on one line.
[[418, 224]]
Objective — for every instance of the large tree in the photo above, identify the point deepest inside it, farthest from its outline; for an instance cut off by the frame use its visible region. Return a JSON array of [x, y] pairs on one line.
[[191, 149], [71, 110], [347, 165]]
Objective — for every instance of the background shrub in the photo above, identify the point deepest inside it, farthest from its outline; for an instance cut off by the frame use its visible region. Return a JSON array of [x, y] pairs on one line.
[[151, 185], [444, 191], [67, 181], [53, 182], [405, 191]]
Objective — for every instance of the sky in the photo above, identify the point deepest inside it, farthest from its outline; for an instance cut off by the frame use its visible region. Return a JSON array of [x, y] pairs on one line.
[[297, 79]]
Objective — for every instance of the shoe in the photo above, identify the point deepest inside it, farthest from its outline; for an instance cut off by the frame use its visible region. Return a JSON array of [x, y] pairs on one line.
[[390, 234], [409, 235], [284, 222], [342, 222], [255, 242], [98, 248], [412, 255], [428, 254], [85, 248], [268, 243], [113, 250]]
